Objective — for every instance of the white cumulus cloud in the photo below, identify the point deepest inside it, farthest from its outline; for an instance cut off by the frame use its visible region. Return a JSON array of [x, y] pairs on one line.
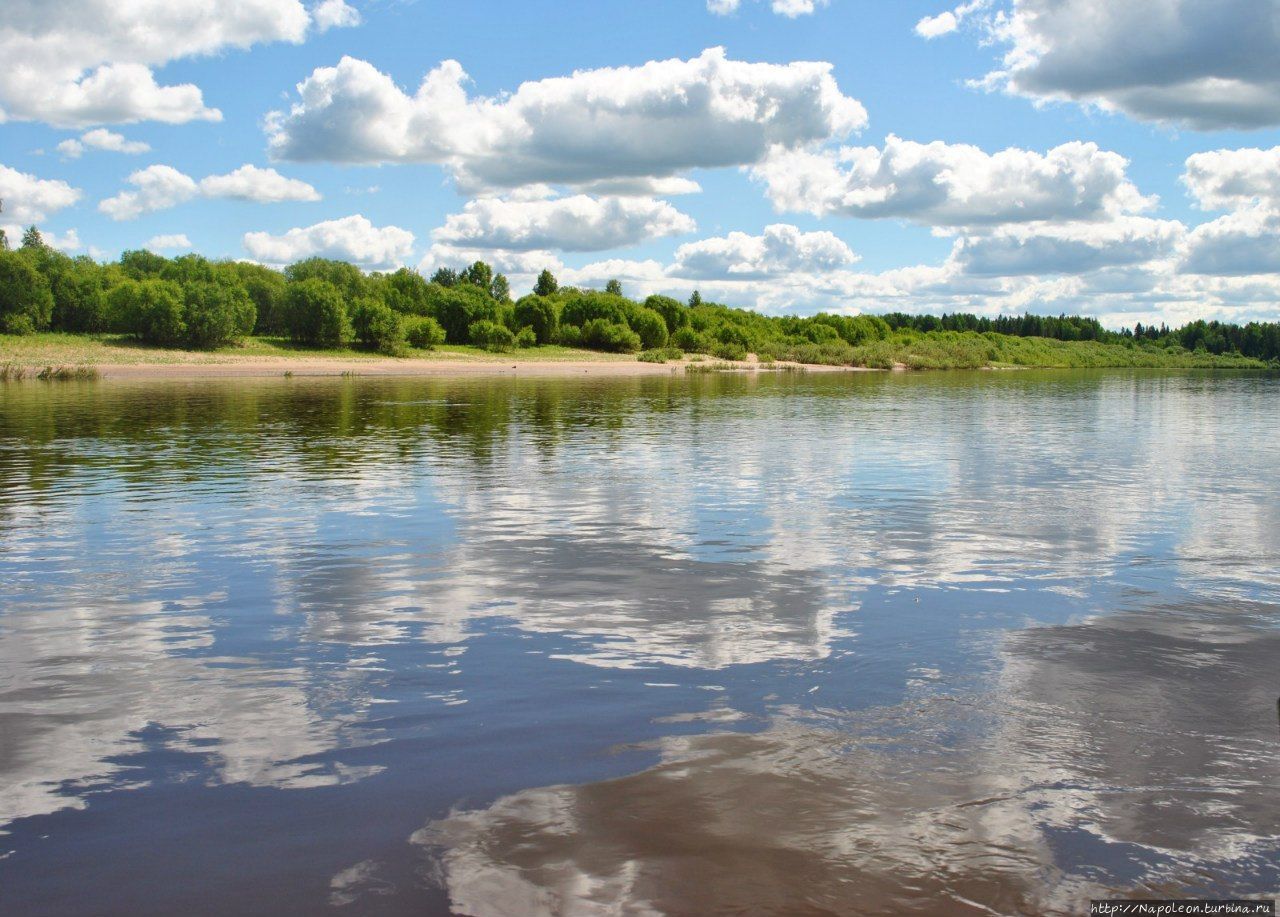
[[334, 14], [780, 249], [265, 186], [1231, 179], [170, 242], [653, 121], [948, 21], [101, 139], [74, 63], [577, 223], [28, 199], [1239, 244], [788, 8], [351, 238], [952, 185], [159, 187], [1206, 64], [1076, 248], [155, 188]]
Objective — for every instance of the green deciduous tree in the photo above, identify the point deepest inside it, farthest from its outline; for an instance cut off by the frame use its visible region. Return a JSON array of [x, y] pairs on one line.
[[378, 326], [150, 310], [538, 313], [26, 302], [316, 314]]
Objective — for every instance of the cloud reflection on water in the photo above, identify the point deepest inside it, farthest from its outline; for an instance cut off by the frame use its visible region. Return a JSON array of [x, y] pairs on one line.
[[1134, 754]]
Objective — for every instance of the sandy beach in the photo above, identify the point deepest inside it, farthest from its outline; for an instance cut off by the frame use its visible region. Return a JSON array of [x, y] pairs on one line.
[[314, 367]]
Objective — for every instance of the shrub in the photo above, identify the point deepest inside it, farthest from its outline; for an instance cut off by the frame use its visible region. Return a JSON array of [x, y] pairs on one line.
[[832, 353], [491, 336], [581, 308], [729, 350], [215, 314], [268, 290], [569, 336], [406, 292], [26, 303], [150, 310], [660, 355], [526, 338], [674, 313], [538, 313], [649, 325], [315, 313], [821, 333], [689, 340], [378, 326], [78, 301], [613, 336], [423, 331], [348, 278], [458, 308]]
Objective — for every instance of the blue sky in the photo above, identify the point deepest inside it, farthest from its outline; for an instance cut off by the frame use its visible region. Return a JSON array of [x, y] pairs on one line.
[[928, 213]]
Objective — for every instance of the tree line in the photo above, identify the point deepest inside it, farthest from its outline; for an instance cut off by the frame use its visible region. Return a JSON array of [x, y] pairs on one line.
[[192, 302]]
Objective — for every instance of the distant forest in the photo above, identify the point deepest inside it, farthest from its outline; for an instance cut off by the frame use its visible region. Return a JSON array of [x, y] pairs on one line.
[[192, 302]]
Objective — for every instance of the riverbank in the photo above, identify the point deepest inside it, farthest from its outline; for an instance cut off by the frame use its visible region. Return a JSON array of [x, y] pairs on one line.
[[60, 355], [115, 357]]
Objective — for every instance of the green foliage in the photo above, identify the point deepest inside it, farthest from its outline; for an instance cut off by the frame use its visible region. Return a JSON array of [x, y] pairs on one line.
[[140, 264], [445, 277], [268, 291], [690, 341], [423, 331], [188, 269], [491, 336], [614, 286], [193, 302], [546, 284], [580, 308], [377, 326], [832, 353], [478, 275], [602, 334], [458, 308], [215, 314], [406, 292], [79, 300], [31, 239], [26, 303], [151, 310], [348, 278], [673, 311], [540, 314], [729, 350], [316, 314], [649, 325], [660, 355], [201, 315]]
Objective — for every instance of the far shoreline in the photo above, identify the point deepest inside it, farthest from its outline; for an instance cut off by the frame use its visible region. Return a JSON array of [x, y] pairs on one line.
[[390, 367]]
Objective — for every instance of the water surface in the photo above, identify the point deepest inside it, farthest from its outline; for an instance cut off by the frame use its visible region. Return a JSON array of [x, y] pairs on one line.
[[961, 643]]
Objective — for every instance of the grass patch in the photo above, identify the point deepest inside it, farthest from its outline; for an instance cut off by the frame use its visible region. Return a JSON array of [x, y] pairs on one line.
[[33, 351], [15, 372]]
